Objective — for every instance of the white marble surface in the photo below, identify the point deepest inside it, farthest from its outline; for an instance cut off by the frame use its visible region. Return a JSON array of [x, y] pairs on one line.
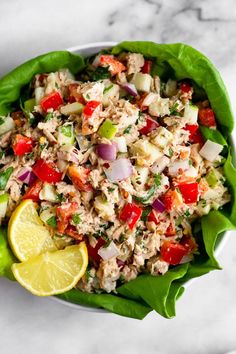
[[206, 314]]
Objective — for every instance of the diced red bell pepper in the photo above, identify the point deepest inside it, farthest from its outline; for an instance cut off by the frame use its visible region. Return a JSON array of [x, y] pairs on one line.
[[93, 251], [90, 108], [72, 232], [139, 102], [170, 231], [153, 217], [172, 252], [189, 243], [146, 69], [185, 87], [79, 176], [46, 171], [52, 100], [131, 214], [189, 192], [151, 125], [33, 191], [22, 145], [64, 213], [207, 117], [115, 66], [192, 128]]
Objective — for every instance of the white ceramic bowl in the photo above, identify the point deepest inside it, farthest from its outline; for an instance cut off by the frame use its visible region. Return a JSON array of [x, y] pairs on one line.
[[88, 50]]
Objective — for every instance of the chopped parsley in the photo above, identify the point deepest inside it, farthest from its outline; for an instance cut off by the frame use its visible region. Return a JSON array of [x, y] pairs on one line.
[[48, 117], [145, 214], [52, 221], [110, 189], [60, 197], [100, 73], [157, 179], [149, 194], [4, 177], [1, 121], [127, 130], [171, 152], [106, 89], [187, 213], [76, 219], [173, 109]]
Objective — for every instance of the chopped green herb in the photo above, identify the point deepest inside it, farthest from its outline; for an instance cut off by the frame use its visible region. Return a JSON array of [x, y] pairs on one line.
[[2, 154], [110, 189], [52, 221], [157, 179], [76, 219], [173, 110], [178, 190], [1, 121], [145, 199], [100, 73], [190, 162], [48, 117], [127, 130], [179, 220], [4, 177], [66, 130], [145, 214], [122, 238], [171, 152], [60, 197]]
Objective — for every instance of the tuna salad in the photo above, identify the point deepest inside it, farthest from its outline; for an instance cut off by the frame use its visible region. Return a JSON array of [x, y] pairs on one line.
[[114, 157]]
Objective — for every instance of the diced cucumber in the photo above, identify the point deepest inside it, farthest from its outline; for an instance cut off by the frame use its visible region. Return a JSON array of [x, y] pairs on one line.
[[191, 114], [3, 204], [48, 193], [66, 134], [103, 207], [72, 108], [142, 82], [110, 92], [211, 178], [146, 152], [39, 93], [107, 129], [159, 108], [6, 124], [162, 137], [29, 105]]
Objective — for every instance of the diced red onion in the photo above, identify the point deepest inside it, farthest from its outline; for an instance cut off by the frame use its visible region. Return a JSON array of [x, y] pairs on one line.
[[107, 151], [119, 170], [158, 205], [109, 251], [120, 263], [26, 175], [130, 88]]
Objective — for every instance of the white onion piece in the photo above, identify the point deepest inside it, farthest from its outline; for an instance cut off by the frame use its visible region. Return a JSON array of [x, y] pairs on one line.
[[178, 167], [210, 150], [108, 252], [119, 170], [121, 143]]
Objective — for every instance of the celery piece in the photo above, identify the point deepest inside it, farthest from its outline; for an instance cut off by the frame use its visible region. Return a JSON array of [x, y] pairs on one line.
[[107, 129], [211, 178], [3, 204], [29, 105]]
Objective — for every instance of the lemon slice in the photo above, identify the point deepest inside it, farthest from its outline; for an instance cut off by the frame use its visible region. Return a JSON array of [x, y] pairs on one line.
[[53, 273], [27, 235]]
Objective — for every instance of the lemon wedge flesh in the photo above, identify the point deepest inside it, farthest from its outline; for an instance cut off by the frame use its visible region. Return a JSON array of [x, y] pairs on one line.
[[27, 235], [53, 273]]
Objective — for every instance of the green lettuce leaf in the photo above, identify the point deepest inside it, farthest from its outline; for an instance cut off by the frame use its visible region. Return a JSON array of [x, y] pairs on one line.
[[138, 297], [12, 84]]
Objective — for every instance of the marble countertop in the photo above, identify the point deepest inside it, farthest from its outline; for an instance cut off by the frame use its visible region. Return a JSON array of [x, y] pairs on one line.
[[206, 314]]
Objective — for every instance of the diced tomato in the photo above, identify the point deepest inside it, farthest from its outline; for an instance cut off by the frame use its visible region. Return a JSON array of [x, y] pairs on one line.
[[130, 214], [139, 102], [72, 232], [64, 213], [74, 95], [52, 100], [185, 87], [115, 66], [93, 251], [22, 145], [151, 125], [172, 252], [33, 191], [171, 199], [189, 243], [170, 231], [207, 117], [192, 128], [153, 217], [79, 176], [189, 192], [90, 108], [146, 69], [46, 171]]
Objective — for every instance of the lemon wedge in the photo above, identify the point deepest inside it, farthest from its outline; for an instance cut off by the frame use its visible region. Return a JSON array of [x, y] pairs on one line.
[[53, 273], [27, 235]]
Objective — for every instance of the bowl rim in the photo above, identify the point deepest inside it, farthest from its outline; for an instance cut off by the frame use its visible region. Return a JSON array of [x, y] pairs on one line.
[[97, 46]]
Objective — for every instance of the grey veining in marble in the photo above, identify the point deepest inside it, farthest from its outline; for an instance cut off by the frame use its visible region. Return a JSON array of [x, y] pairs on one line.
[[206, 314]]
